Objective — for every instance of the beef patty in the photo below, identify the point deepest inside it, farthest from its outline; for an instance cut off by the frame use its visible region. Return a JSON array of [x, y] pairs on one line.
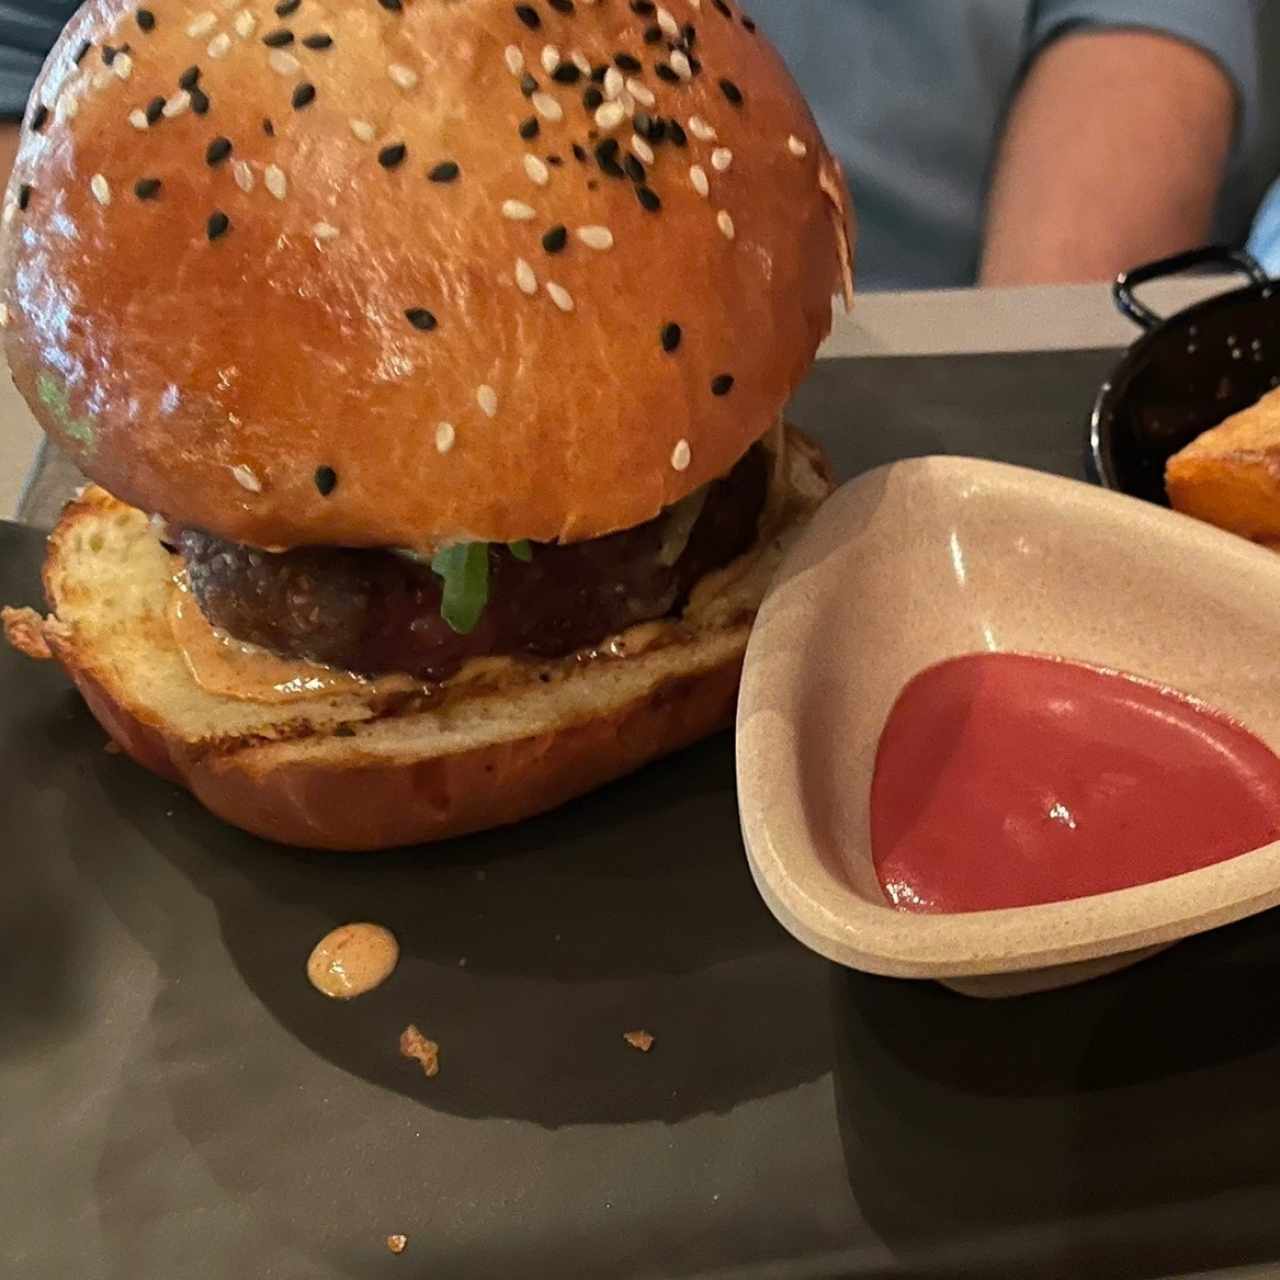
[[379, 611]]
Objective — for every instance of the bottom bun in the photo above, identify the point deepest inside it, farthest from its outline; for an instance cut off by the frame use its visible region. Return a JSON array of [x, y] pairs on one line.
[[354, 770]]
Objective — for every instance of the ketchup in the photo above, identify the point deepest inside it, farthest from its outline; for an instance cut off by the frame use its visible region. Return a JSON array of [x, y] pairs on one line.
[[1004, 780]]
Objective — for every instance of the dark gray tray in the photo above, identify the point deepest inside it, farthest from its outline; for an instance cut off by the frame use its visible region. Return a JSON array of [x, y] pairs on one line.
[[176, 1101]]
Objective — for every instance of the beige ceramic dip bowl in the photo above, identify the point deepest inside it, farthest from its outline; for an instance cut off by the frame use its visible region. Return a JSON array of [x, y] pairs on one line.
[[933, 558]]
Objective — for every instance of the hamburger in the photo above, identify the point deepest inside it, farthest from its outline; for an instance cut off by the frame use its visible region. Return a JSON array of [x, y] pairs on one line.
[[427, 360]]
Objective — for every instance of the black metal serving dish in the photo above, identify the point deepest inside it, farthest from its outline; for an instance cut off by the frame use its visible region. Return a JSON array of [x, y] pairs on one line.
[[1186, 373]]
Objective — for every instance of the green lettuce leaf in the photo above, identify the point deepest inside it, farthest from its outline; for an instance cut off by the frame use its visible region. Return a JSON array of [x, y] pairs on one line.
[[465, 570]]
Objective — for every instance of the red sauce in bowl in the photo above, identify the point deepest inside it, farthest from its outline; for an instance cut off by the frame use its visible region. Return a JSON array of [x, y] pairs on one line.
[[1004, 780]]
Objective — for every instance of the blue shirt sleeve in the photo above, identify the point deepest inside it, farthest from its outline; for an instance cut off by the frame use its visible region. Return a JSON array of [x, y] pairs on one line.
[[1227, 30], [27, 33]]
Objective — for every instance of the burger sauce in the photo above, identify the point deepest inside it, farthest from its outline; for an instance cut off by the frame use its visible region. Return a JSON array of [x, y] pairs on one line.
[[1004, 780]]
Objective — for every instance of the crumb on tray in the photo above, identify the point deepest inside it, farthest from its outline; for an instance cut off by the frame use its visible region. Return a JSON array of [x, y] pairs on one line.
[[413, 1044], [24, 630], [397, 1242], [641, 1040]]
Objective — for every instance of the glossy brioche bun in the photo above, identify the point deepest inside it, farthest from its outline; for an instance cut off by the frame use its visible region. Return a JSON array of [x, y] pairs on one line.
[[340, 771], [225, 347]]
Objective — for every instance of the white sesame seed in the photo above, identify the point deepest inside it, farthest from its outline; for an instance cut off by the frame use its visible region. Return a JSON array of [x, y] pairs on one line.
[[245, 24], [517, 211], [596, 237], [487, 399], [139, 119], [696, 4], [796, 147], [680, 65], [10, 209], [515, 60], [284, 64], [560, 296], [537, 171], [628, 103], [581, 61], [275, 181], [202, 24], [609, 115], [545, 105], [101, 189], [101, 79], [246, 479], [642, 148], [404, 76], [640, 93], [4, 315], [180, 102], [122, 66], [681, 456], [243, 174], [668, 23], [701, 129], [445, 437], [614, 83], [219, 46], [550, 58], [721, 159], [526, 281], [363, 130], [698, 177], [725, 223], [325, 231], [66, 107]]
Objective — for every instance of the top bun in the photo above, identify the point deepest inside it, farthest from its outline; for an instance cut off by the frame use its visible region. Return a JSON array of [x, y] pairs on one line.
[[403, 272]]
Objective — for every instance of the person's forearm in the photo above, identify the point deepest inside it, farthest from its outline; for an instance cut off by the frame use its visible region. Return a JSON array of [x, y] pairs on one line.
[[1113, 154]]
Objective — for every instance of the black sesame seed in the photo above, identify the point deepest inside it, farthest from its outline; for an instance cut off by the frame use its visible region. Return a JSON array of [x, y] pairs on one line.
[[390, 157], [566, 73], [645, 8], [555, 239], [635, 170], [598, 73], [561, 6], [81, 51], [394, 5], [557, 161], [724, 8], [694, 65], [24, 195], [625, 62], [420, 318], [666, 73], [326, 479], [146, 19], [649, 198], [189, 78], [199, 101], [593, 185], [217, 151], [278, 39], [38, 118], [146, 188], [303, 96], [318, 41], [286, 7], [530, 128], [268, 128], [732, 92], [671, 335], [155, 109], [653, 35], [109, 54], [607, 158], [219, 224], [445, 171], [529, 16], [749, 24], [592, 98], [722, 384], [580, 153], [690, 33], [528, 85]]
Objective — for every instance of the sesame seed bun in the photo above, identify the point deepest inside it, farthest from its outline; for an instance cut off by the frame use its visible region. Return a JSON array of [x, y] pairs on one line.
[[336, 274]]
